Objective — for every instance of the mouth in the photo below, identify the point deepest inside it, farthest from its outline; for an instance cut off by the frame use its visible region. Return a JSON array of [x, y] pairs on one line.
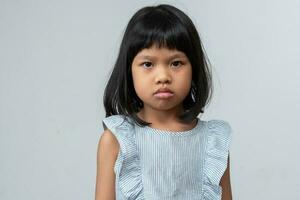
[[164, 94]]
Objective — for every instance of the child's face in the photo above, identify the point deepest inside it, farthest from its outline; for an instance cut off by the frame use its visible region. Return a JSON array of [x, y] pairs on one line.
[[156, 68]]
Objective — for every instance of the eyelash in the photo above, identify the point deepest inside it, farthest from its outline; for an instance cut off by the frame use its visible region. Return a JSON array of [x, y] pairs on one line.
[[177, 61]]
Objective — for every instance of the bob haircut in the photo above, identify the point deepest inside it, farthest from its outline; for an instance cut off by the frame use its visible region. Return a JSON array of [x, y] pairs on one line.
[[166, 26]]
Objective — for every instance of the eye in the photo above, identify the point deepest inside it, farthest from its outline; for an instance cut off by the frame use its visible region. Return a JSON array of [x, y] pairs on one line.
[[177, 63], [146, 64]]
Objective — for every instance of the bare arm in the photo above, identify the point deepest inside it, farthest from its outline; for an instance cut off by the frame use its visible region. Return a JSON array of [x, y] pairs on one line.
[[108, 148], [225, 184]]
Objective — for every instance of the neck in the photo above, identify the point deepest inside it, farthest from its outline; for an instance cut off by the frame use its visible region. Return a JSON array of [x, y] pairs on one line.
[[160, 116]]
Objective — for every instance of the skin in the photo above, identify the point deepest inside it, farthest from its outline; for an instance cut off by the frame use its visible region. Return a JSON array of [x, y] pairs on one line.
[[155, 68], [152, 69], [108, 148], [225, 183]]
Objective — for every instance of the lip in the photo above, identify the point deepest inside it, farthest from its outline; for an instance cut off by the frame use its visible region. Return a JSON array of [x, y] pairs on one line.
[[163, 93], [163, 90]]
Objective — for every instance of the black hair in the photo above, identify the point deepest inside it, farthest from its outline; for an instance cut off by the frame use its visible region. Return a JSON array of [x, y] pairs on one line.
[[165, 26]]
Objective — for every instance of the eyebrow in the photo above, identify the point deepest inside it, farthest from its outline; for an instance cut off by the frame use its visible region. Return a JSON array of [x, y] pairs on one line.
[[153, 57]]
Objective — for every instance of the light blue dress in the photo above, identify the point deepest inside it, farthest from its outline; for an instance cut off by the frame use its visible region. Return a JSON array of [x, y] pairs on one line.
[[155, 164]]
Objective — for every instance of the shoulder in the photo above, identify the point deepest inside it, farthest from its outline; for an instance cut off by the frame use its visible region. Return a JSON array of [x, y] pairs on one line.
[[219, 136], [218, 124], [118, 129], [219, 127], [116, 121]]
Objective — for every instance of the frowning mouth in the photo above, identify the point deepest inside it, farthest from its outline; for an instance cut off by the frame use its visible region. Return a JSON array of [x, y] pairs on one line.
[[163, 95], [163, 90]]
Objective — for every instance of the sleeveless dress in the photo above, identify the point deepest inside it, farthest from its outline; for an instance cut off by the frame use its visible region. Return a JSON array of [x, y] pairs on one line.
[[155, 164]]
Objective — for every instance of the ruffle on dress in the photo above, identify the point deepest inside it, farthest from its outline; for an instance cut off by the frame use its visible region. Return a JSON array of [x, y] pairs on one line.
[[217, 149], [127, 166]]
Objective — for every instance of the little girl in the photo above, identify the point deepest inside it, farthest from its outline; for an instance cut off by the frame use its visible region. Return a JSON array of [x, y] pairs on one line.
[[154, 145]]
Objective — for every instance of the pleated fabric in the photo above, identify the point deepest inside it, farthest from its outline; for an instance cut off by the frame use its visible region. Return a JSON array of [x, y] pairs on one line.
[[155, 164]]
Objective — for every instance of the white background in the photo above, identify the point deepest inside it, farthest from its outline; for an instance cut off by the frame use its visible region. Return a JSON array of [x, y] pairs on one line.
[[55, 59]]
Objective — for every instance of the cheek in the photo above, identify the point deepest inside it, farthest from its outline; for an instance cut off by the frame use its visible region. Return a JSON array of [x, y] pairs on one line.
[[184, 87], [185, 80], [139, 83]]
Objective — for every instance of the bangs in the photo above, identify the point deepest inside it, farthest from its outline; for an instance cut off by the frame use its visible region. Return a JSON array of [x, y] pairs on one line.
[[160, 29]]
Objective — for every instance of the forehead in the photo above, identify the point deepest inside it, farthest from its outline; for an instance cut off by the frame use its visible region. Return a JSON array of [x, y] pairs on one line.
[[159, 52]]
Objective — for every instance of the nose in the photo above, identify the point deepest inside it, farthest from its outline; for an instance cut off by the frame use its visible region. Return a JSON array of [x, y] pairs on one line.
[[163, 76]]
